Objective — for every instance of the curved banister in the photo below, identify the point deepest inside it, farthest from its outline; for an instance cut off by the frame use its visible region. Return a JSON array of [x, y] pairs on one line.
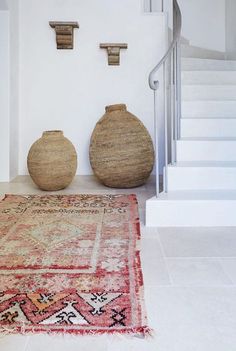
[[171, 100], [154, 84]]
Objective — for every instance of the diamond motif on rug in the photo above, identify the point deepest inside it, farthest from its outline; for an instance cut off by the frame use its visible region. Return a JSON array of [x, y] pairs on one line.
[[71, 264], [53, 233]]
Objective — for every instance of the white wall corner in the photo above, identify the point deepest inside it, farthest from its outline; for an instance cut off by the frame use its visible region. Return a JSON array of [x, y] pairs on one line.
[[14, 87], [4, 96], [3, 5]]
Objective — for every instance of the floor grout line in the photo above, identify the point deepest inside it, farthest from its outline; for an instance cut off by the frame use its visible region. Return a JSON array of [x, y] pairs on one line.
[[164, 260], [27, 343], [225, 272], [199, 257], [184, 286]]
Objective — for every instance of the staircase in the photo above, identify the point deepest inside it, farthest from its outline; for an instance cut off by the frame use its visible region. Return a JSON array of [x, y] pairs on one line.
[[201, 182]]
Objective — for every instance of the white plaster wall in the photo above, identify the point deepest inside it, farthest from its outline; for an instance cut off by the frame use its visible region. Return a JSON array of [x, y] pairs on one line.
[[68, 89], [4, 96], [3, 5], [204, 23], [13, 6], [152, 5], [230, 29], [9, 89]]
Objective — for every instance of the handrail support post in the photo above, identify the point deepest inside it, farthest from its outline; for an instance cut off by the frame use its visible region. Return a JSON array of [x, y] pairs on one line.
[[173, 83]]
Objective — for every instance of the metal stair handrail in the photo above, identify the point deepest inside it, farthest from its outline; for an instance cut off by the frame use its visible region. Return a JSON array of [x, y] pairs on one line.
[[177, 25], [172, 98]]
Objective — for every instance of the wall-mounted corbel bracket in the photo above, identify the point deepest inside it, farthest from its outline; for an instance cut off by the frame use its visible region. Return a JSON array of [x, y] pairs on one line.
[[64, 33], [113, 51]]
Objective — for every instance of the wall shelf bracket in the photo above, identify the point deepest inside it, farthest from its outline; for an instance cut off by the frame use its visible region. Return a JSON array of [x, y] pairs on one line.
[[64, 33], [113, 51]]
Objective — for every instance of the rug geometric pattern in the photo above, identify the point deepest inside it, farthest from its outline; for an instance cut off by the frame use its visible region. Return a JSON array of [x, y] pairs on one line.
[[70, 264]]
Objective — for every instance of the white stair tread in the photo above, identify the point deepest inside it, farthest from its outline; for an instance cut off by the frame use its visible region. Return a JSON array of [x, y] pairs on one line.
[[209, 139], [197, 195], [210, 118], [206, 149], [192, 208], [216, 164], [196, 64], [198, 52], [202, 176], [209, 92], [208, 127], [209, 109], [202, 183], [209, 77]]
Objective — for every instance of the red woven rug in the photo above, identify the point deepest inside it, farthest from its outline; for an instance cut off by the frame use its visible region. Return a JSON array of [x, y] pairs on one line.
[[70, 264]]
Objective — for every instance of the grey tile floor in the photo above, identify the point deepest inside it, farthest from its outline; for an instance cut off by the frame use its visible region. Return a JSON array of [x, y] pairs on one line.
[[190, 285]]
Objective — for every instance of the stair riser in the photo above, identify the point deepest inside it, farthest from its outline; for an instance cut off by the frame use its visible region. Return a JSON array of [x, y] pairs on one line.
[[206, 150], [190, 213], [209, 109], [208, 92], [201, 178], [212, 128], [209, 77]]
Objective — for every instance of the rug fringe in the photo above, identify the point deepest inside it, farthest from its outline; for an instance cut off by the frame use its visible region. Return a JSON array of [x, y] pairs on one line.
[[140, 332]]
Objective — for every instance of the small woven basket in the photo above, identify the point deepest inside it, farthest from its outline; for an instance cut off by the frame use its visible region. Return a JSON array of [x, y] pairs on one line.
[[52, 161]]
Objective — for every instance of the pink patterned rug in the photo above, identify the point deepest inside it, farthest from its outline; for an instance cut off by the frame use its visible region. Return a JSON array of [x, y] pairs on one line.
[[70, 264]]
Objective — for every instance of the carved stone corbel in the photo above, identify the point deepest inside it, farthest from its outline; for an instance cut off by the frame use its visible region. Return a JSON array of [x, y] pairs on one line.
[[64, 33], [113, 51]]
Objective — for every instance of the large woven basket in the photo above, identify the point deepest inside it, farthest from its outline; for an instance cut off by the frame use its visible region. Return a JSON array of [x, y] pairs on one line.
[[52, 161], [121, 150]]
